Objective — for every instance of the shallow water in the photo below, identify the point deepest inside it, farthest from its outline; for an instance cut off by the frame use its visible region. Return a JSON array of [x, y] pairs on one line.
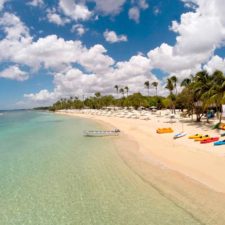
[[51, 174]]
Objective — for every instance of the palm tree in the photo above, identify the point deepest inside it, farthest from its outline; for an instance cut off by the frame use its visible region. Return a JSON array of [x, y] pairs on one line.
[[147, 85], [186, 82], [122, 91], [97, 94], [201, 85], [216, 93], [174, 80], [127, 90], [155, 84], [117, 89], [170, 87]]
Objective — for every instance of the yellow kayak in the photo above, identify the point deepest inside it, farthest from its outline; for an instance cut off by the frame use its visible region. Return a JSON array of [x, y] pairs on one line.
[[164, 130], [195, 136], [202, 138]]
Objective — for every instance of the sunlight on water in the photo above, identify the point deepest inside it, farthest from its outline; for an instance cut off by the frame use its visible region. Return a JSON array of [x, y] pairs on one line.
[[51, 175]]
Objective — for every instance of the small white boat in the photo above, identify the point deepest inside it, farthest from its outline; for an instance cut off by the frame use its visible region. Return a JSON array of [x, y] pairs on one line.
[[179, 135], [101, 133]]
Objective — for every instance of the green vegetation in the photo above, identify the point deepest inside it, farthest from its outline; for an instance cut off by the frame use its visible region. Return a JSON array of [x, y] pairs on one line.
[[135, 100], [200, 93]]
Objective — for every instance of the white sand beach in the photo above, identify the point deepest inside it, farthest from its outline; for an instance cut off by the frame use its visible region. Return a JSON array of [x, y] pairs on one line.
[[204, 163], [189, 174]]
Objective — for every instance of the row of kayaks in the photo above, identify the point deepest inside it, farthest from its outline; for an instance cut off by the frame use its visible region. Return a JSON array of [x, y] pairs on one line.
[[203, 139]]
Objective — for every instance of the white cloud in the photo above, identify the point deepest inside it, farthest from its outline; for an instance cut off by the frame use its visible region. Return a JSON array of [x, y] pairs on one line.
[[44, 96], [49, 52], [53, 17], [156, 11], [165, 59], [112, 37], [135, 10], [61, 56], [190, 4], [13, 27], [14, 73], [36, 3], [95, 60], [97, 70], [73, 82], [109, 7], [73, 10], [215, 63], [143, 4], [2, 2], [79, 29], [134, 14], [199, 34]]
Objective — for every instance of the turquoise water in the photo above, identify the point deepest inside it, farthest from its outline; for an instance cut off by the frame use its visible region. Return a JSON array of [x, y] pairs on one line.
[[51, 175]]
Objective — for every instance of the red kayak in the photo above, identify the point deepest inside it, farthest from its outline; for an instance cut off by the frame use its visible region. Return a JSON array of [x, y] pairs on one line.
[[209, 140]]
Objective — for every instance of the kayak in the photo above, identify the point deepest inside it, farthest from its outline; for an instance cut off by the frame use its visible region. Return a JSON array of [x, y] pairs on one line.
[[220, 142], [195, 136], [164, 130], [222, 135], [210, 140], [202, 138], [179, 135]]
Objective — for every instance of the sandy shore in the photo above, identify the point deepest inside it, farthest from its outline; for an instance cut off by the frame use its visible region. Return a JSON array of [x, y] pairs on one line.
[[204, 163], [189, 174]]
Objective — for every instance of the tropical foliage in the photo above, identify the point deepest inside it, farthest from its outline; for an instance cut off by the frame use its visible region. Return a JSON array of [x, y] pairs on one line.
[[199, 93], [202, 92], [135, 100]]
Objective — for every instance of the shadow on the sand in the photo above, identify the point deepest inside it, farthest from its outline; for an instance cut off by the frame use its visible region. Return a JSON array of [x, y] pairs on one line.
[[204, 125], [170, 121]]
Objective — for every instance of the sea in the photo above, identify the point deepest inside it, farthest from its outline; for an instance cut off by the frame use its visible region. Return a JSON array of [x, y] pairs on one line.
[[50, 174]]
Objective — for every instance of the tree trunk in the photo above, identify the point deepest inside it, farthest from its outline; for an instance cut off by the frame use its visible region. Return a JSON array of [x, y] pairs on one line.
[[198, 118]]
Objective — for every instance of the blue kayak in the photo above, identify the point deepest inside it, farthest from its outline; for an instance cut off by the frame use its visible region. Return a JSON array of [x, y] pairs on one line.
[[220, 142]]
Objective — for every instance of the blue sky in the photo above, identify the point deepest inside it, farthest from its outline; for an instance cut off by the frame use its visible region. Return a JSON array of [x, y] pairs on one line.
[[62, 48]]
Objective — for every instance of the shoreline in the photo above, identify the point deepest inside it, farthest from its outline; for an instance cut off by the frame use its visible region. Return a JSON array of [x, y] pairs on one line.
[[168, 167], [206, 166]]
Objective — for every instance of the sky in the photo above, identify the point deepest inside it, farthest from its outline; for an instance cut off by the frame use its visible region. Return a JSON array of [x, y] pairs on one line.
[[60, 48]]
